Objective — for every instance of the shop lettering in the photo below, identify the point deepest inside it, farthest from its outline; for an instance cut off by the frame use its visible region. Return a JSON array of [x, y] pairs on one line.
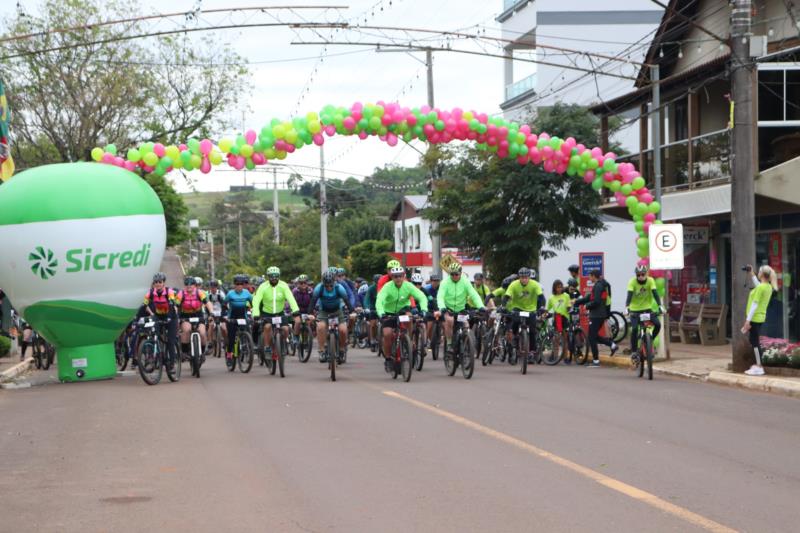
[[84, 259]]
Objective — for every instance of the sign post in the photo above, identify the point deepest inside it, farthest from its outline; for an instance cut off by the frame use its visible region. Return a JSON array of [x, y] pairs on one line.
[[666, 253]]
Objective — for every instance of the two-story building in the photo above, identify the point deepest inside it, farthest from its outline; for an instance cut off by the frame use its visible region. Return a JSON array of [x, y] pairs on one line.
[[691, 47]]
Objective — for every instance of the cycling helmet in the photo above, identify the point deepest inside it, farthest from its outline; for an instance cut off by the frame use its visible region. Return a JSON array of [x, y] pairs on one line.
[[302, 278], [436, 277], [359, 280], [213, 283], [534, 274], [376, 278], [198, 280], [573, 268], [478, 275], [398, 271], [257, 280], [328, 278], [240, 279], [333, 270], [189, 280], [525, 272], [159, 277], [340, 271], [273, 272], [572, 282], [393, 263], [640, 269], [416, 278], [455, 268]]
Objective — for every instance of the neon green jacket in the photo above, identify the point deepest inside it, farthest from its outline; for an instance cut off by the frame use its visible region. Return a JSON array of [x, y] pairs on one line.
[[391, 298], [272, 300], [453, 295]]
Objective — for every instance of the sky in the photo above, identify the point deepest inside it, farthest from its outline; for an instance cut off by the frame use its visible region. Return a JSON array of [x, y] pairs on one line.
[[346, 74]]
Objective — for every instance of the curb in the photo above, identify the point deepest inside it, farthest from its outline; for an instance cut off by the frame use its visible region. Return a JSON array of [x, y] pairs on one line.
[[758, 383], [624, 361], [16, 370]]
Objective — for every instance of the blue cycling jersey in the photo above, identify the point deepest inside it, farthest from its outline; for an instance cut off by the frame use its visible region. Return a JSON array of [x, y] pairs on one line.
[[329, 300], [237, 302]]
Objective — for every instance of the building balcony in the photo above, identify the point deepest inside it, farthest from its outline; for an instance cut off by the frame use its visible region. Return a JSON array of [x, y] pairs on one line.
[[518, 92], [509, 7]]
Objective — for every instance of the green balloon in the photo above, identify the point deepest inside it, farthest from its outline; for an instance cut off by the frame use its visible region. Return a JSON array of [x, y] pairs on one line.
[[374, 123], [150, 159], [608, 165], [641, 209], [249, 164], [97, 154], [597, 184], [626, 189], [637, 183], [194, 145], [593, 164], [165, 161], [631, 202], [661, 283], [639, 226], [641, 253], [111, 149], [614, 186], [642, 243], [655, 207], [133, 155], [439, 125]]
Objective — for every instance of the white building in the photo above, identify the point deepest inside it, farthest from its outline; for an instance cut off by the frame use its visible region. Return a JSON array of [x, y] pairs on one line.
[[407, 215], [611, 28]]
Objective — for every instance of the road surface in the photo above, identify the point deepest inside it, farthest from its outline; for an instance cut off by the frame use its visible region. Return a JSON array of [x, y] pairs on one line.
[[171, 266], [561, 449]]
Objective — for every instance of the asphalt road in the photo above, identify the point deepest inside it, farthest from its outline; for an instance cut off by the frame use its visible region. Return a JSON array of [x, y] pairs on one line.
[[561, 449]]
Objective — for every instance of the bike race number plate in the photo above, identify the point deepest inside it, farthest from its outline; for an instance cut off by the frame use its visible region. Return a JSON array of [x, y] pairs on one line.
[[333, 321], [524, 314], [404, 318], [150, 324], [463, 318], [644, 317], [276, 320], [194, 320], [241, 321], [304, 317], [493, 314]]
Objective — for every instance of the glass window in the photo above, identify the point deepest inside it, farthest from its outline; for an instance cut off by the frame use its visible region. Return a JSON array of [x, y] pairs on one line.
[[770, 95], [681, 108], [793, 95]]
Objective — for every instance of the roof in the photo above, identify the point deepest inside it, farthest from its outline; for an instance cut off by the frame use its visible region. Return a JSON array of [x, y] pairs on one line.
[[417, 201]]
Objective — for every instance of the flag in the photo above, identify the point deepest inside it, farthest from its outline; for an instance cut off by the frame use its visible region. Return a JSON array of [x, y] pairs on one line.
[[6, 163]]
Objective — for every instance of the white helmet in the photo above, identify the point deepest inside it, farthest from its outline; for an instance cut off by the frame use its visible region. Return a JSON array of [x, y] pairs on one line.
[[416, 278], [397, 270]]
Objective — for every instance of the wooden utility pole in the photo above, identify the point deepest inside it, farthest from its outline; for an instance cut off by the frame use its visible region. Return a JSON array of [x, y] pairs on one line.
[[275, 207], [743, 241], [323, 213], [436, 239]]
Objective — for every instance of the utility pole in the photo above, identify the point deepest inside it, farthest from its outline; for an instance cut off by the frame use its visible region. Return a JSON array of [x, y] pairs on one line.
[[403, 226], [225, 243], [655, 79], [211, 242], [323, 213], [275, 208], [743, 245], [241, 240], [436, 239]]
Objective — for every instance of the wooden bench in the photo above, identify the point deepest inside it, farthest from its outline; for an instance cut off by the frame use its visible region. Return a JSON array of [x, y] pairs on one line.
[[689, 324], [712, 324]]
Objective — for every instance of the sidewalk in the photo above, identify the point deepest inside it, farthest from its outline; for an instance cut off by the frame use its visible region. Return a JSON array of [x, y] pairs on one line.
[[710, 364]]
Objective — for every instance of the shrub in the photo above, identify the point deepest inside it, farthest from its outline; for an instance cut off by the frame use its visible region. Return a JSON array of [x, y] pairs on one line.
[[5, 346], [794, 361]]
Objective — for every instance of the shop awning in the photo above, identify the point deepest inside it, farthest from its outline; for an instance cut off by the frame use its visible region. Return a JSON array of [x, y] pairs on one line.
[[696, 203]]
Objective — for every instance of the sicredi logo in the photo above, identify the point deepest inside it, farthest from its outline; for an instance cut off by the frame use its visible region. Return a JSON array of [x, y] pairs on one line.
[[44, 264]]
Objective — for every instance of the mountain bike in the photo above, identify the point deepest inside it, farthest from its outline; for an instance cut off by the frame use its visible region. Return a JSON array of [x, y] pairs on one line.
[[217, 340], [402, 351], [550, 343], [306, 339], [576, 338], [436, 338], [479, 330], [418, 342], [643, 356], [333, 348], [496, 342], [360, 334], [242, 347], [279, 345], [196, 352], [153, 354], [43, 351], [618, 326], [463, 348], [521, 342]]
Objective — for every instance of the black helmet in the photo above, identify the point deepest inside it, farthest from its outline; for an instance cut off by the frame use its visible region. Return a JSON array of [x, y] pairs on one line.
[[189, 280], [436, 277], [525, 272], [376, 278], [640, 269], [159, 277], [478, 275], [328, 278], [213, 283], [572, 282], [240, 279], [573, 268]]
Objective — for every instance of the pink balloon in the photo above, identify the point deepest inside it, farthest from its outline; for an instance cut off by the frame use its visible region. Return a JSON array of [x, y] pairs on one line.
[[158, 149], [130, 165], [646, 227], [522, 159], [290, 148], [608, 176], [649, 217], [544, 135], [391, 140], [411, 119], [318, 139], [525, 129], [206, 146], [108, 158], [205, 166], [330, 130], [349, 123], [259, 159], [120, 162], [362, 135], [646, 198], [590, 175], [250, 137]]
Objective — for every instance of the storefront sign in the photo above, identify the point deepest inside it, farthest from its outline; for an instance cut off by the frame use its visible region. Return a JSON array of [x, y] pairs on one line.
[[589, 261], [666, 247], [776, 255], [695, 234]]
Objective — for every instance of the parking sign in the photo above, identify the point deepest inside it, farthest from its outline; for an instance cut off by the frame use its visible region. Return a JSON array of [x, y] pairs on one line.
[[666, 246]]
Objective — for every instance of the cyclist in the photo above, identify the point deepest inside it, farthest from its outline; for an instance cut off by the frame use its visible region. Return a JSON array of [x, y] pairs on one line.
[[642, 297], [572, 288], [302, 295], [394, 299], [573, 274], [190, 302], [558, 303], [394, 263], [341, 278], [524, 294], [481, 287], [452, 297], [432, 290], [332, 298], [217, 299], [160, 302], [270, 298], [369, 305], [596, 303], [238, 301]]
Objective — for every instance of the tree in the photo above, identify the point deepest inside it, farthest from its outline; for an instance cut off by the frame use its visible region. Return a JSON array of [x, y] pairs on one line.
[[369, 257], [175, 210], [514, 214]]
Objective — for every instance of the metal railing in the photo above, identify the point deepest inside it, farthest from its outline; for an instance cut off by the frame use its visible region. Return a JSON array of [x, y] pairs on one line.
[[519, 87]]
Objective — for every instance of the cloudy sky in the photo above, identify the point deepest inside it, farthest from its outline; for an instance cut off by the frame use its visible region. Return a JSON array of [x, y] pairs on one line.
[[346, 74]]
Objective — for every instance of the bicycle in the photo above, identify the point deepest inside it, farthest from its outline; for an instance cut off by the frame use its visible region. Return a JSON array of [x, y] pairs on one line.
[[496, 342], [306, 339], [196, 352], [43, 351], [130, 345], [548, 342], [402, 349], [436, 338], [576, 338], [217, 341], [418, 342], [463, 353], [479, 333], [618, 326], [521, 343], [153, 355], [333, 345], [242, 347], [646, 342], [360, 334], [279, 348]]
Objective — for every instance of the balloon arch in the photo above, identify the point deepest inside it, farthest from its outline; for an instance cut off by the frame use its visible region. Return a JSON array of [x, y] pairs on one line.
[[391, 122]]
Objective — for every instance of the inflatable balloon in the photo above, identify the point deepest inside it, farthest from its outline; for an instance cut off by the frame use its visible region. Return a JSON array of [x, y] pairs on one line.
[[80, 244]]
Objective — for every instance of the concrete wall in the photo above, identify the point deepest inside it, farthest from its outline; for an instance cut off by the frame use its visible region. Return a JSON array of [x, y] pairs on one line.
[[618, 244], [425, 243]]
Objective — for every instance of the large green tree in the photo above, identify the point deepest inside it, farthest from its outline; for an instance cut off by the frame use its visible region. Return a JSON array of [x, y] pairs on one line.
[[514, 214], [369, 257]]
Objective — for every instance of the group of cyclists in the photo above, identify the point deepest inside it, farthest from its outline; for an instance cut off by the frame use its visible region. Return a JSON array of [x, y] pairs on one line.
[[390, 298]]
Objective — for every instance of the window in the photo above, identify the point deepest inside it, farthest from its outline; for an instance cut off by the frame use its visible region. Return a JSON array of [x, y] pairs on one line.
[[770, 95], [419, 240], [681, 120], [792, 95]]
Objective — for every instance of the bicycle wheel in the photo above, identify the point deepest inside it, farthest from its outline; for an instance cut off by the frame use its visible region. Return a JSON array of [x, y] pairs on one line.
[[284, 349], [406, 358], [580, 351], [46, 356], [555, 352], [149, 359], [648, 346], [489, 348], [436, 340], [305, 344], [467, 355], [419, 348], [174, 370], [513, 352], [333, 353], [450, 364], [246, 355], [197, 353], [524, 350], [619, 326], [51, 354]]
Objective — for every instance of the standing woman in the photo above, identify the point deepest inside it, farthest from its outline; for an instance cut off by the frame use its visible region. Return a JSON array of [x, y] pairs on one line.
[[757, 303]]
